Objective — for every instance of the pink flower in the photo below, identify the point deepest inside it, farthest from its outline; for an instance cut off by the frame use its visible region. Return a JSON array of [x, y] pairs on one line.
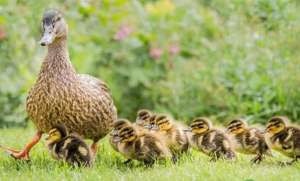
[[174, 49], [155, 53], [2, 33], [123, 32]]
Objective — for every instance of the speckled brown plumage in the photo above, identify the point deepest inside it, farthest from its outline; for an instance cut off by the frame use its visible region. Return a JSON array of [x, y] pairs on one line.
[[81, 102]]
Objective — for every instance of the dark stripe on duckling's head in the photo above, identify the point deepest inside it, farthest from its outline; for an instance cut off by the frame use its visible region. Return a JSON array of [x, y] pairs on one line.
[[236, 123], [236, 126], [144, 113], [277, 120], [127, 134], [152, 120], [161, 119], [276, 124], [200, 125], [201, 122], [121, 123]]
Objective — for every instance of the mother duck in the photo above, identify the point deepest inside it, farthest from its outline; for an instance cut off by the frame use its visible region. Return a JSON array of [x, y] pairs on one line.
[[61, 96]]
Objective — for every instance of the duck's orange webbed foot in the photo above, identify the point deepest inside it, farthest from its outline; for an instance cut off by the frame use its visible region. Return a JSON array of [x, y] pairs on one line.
[[24, 154]]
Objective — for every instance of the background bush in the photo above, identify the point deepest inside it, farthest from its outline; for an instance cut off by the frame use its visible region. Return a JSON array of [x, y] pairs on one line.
[[216, 58]]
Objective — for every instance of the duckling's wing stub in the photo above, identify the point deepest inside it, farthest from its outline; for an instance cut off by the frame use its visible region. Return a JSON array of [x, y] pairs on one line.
[[77, 152]]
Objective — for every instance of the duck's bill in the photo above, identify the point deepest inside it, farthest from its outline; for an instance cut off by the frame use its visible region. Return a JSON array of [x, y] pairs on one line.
[[116, 139], [114, 133], [47, 39], [48, 36], [155, 127], [148, 126], [139, 122], [187, 130], [47, 138]]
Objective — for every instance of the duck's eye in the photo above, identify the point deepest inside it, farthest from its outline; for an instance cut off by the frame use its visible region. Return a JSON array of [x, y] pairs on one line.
[[58, 18]]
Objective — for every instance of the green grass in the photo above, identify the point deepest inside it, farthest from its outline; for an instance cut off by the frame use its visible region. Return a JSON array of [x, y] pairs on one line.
[[108, 166]]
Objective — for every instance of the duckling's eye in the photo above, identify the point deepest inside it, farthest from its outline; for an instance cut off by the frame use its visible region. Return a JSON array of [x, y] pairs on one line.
[[58, 18]]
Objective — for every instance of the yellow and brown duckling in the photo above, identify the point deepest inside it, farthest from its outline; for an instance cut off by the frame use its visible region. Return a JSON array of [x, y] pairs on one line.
[[143, 116], [68, 147], [248, 140], [114, 135], [212, 142], [146, 148], [283, 138], [172, 133], [145, 119]]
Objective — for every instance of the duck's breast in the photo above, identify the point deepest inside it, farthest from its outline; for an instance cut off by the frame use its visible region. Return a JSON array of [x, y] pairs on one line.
[[83, 107]]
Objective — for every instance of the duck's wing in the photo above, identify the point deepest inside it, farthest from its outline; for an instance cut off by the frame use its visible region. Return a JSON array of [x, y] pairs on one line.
[[94, 82]]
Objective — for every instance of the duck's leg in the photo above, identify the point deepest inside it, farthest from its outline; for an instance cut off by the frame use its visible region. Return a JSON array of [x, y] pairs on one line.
[[94, 148], [24, 154]]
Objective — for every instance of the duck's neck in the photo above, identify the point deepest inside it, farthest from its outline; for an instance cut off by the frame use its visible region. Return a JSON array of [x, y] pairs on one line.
[[57, 63]]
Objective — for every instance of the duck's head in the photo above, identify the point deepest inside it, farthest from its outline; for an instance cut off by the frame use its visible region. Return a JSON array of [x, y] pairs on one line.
[[162, 123], [143, 116], [236, 126], [276, 124], [200, 125], [127, 134], [54, 27], [56, 133], [118, 125]]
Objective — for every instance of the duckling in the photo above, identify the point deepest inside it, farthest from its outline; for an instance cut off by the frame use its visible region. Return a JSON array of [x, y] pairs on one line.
[[114, 135], [248, 140], [143, 117], [284, 138], [172, 133], [70, 148], [212, 142], [146, 148]]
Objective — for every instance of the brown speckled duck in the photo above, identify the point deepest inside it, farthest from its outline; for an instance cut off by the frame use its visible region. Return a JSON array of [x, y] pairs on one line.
[[61, 96]]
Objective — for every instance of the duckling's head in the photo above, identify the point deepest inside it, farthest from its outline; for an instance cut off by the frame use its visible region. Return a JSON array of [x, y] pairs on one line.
[[276, 124], [54, 27], [162, 122], [56, 133], [152, 120], [143, 117], [118, 125], [127, 134], [200, 125], [236, 126]]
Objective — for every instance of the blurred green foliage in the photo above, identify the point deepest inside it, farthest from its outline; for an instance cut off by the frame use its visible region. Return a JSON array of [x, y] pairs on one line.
[[216, 58]]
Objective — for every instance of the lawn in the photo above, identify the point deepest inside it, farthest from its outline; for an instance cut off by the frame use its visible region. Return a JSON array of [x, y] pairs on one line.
[[109, 166]]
